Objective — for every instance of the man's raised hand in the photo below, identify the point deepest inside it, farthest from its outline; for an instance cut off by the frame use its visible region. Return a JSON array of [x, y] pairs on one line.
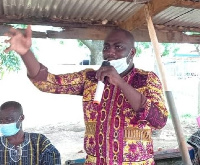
[[19, 42]]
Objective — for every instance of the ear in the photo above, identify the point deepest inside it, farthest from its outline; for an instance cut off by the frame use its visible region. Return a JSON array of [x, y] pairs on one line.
[[21, 118], [133, 52], [20, 121]]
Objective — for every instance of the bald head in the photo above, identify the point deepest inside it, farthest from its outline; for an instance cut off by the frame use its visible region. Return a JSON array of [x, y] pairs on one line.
[[124, 33]]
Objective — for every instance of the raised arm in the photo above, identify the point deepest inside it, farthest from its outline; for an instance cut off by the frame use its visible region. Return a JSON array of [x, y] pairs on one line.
[[21, 43]]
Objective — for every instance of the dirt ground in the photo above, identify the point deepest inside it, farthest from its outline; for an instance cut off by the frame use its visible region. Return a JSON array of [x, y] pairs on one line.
[[68, 138]]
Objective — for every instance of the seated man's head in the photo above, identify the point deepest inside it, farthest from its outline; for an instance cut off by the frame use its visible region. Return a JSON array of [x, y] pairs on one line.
[[11, 117]]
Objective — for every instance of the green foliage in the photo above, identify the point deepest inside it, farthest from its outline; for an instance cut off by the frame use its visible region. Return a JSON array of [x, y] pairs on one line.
[[184, 116], [170, 48], [80, 43], [140, 46], [61, 42], [8, 62], [19, 26]]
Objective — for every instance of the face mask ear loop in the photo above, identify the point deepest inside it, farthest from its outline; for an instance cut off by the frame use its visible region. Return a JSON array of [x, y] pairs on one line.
[[18, 121], [128, 56]]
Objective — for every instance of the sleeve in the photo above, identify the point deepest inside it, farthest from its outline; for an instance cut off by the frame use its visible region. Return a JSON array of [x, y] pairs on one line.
[[49, 154], [154, 111], [70, 83], [194, 141]]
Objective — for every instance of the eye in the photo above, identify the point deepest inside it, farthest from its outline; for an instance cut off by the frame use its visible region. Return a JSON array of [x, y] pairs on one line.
[[106, 47], [119, 47], [9, 120]]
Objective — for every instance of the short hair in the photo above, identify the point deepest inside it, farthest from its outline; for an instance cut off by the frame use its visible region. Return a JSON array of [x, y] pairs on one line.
[[17, 106], [128, 34]]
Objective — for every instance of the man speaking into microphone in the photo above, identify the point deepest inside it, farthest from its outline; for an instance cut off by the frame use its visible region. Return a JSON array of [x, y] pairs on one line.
[[119, 128]]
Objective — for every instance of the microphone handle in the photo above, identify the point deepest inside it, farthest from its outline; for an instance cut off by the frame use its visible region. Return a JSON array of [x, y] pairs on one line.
[[99, 92], [100, 86]]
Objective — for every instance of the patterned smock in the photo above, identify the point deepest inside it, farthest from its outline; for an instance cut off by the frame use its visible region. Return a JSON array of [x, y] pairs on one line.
[[36, 149], [115, 133]]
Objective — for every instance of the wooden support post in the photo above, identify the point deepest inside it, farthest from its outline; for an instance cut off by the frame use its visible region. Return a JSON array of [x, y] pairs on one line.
[[175, 118], [198, 98]]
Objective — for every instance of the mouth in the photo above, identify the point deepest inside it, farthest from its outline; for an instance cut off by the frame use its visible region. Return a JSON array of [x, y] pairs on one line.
[[110, 59]]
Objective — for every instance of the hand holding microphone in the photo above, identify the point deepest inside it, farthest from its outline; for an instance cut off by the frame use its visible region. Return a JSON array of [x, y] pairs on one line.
[[100, 86]]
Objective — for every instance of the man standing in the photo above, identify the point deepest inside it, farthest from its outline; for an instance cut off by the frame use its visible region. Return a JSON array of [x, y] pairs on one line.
[[19, 147], [118, 130]]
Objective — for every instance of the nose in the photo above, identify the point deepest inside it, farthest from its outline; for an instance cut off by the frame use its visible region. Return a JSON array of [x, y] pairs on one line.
[[109, 53], [111, 50]]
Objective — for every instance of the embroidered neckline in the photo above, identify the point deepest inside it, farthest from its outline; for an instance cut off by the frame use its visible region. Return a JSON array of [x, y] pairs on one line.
[[15, 153], [9, 146]]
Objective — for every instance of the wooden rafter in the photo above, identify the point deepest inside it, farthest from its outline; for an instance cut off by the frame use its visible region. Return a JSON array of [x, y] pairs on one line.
[[138, 1], [176, 29], [188, 4], [100, 33], [166, 37], [89, 33], [138, 19]]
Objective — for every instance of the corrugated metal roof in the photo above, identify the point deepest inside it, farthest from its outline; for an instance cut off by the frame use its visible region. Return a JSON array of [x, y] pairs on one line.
[[80, 11], [178, 16], [93, 12], [94, 18]]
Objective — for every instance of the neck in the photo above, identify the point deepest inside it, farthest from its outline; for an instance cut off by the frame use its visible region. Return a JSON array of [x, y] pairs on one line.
[[127, 70], [16, 139]]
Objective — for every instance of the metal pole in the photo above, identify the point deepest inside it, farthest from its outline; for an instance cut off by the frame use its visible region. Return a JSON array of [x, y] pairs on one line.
[[175, 118]]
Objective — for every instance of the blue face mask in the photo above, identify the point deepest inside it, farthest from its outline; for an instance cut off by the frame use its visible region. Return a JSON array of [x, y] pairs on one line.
[[9, 129]]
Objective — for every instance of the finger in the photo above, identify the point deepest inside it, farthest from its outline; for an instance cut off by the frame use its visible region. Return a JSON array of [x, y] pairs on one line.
[[13, 31], [8, 49], [103, 76], [7, 41], [99, 72], [8, 34], [28, 32]]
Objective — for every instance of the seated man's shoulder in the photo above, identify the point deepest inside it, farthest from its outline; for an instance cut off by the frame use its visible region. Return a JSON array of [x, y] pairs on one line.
[[37, 136]]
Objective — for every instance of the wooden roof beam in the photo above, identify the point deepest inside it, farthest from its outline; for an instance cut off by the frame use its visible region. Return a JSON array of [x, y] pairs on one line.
[[100, 34], [178, 29], [90, 33], [138, 19], [188, 4], [166, 37], [138, 1]]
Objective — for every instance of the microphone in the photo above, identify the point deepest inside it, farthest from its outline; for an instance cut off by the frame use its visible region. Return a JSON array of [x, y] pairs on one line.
[[100, 86]]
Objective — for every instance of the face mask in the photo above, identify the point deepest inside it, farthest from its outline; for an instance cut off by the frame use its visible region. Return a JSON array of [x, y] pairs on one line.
[[120, 64], [9, 129]]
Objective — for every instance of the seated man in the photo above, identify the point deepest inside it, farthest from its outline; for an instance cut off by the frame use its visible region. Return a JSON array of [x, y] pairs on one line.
[[19, 147], [194, 141]]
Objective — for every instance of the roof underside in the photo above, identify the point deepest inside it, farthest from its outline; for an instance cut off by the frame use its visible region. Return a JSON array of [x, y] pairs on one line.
[[92, 19]]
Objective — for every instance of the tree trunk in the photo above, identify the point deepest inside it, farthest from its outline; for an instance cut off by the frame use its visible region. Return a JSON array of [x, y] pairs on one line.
[[198, 97], [95, 48]]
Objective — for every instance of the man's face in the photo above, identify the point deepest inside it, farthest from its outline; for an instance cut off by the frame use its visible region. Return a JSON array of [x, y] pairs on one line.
[[116, 46], [9, 116]]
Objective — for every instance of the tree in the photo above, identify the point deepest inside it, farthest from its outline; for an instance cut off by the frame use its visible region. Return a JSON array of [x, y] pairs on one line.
[[167, 48], [140, 46], [10, 61], [95, 47], [170, 49], [197, 48]]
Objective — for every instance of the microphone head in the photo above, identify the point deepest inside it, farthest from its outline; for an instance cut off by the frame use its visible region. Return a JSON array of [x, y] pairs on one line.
[[105, 63]]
